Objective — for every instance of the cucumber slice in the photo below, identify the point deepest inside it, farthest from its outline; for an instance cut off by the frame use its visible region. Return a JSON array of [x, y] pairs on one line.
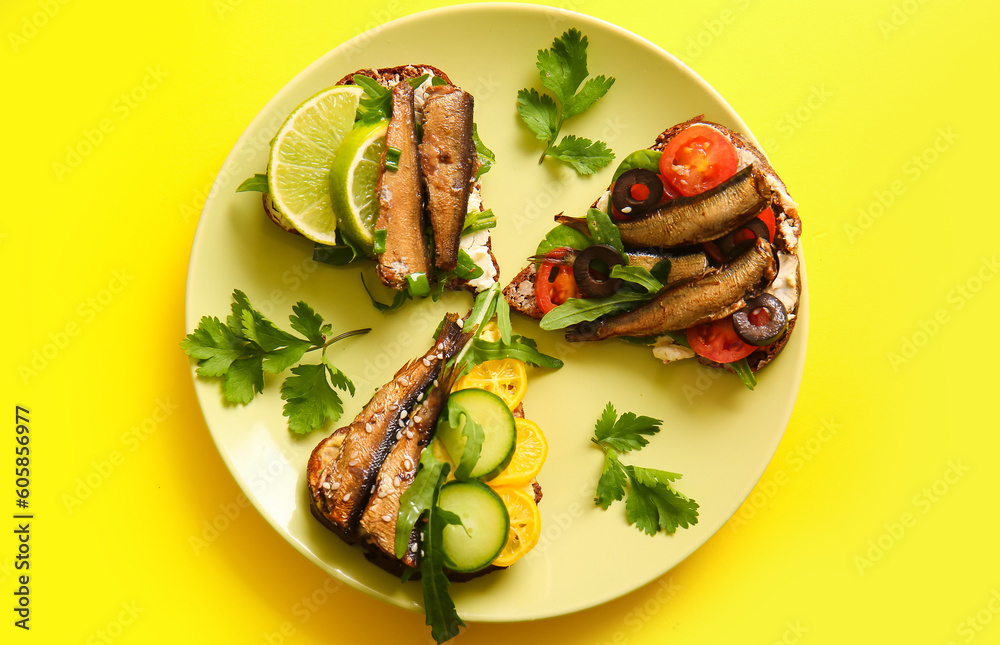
[[485, 522], [499, 431]]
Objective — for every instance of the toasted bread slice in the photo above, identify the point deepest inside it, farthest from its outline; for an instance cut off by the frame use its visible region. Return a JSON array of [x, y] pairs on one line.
[[520, 293]]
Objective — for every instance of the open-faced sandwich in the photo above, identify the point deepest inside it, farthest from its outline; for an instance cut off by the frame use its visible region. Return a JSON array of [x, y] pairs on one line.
[[691, 251], [436, 476], [386, 165]]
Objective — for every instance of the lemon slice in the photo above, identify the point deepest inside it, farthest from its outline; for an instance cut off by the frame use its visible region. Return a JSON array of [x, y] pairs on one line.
[[354, 183], [529, 455], [302, 154], [507, 378], [525, 525]]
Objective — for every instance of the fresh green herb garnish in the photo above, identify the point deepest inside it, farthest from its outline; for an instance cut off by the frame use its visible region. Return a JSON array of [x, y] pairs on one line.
[[652, 505], [562, 235], [392, 154], [399, 298], [376, 104], [577, 310], [240, 350], [256, 183], [476, 221], [417, 284], [647, 159], [742, 369], [439, 608], [378, 240], [637, 275], [562, 69], [338, 255], [418, 498], [603, 230], [457, 416], [484, 155]]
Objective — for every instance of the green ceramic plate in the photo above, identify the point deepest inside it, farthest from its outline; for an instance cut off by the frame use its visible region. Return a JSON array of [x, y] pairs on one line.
[[717, 433]]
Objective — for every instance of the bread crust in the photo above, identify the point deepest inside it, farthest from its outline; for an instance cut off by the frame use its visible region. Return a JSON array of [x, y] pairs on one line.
[[520, 292]]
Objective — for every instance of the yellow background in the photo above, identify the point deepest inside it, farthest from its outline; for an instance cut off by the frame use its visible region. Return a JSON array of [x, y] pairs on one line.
[[875, 521]]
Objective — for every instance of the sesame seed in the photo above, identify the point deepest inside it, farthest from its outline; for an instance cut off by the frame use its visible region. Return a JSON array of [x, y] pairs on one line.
[[409, 434], [346, 497], [421, 553], [399, 435], [413, 548], [369, 427], [416, 419], [427, 362], [326, 485], [395, 481], [382, 494], [420, 397], [353, 462], [627, 210], [334, 485], [435, 382], [440, 346], [393, 407], [460, 322], [407, 463], [387, 518], [402, 415]]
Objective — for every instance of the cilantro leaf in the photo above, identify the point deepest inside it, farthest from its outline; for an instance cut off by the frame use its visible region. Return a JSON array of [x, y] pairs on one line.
[[240, 351], [564, 67], [592, 90], [309, 398], [307, 322], [611, 485], [539, 113], [214, 345], [654, 506], [244, 378], [584, 155], [627, 432]]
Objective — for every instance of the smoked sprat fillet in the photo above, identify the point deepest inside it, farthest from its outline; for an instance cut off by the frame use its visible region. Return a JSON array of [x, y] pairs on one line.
[[401, 197], [447, 158], [342, 469]]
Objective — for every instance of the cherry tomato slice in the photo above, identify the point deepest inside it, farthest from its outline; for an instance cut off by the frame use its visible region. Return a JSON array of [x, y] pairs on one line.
[[554, 283], [697, 159], [717, 341]]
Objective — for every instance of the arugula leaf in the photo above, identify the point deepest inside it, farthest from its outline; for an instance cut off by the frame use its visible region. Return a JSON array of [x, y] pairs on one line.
[[398, 299], [652, 504], [603, 230], [376, 104], [624, 433], [577, 310], [249, 344], [419, 497], [519, 347], [459, 417], [584, 155], [562, 69], [439, 608], [484, 155], [742, 369], [637, 275], [503, 321], [539, 112], [257, 183], [338, 255]]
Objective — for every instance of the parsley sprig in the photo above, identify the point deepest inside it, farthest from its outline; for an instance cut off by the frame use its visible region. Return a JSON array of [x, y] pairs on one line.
[[247, 345], [653, 504], [562, 70]]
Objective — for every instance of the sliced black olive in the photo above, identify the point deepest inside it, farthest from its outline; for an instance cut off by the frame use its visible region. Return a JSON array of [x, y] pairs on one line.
[[777, 320], [622, 197], [590, 282], [731, 249]]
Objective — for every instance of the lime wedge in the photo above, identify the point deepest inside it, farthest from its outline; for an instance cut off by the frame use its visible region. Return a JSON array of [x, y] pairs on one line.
[[354, 184], [301, 156]]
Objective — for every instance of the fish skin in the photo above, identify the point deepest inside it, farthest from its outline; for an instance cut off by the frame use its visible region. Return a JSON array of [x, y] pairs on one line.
[[331, 459], [703, 217], [447, 159], [394, 478], [682, 267], [711, 297], [401, 197]]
